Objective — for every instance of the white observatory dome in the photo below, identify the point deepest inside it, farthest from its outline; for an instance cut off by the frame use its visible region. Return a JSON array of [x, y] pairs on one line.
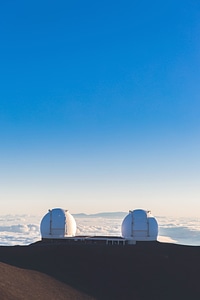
[[58, 223], [140, 225]]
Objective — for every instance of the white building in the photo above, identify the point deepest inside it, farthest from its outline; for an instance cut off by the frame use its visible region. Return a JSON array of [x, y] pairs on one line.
[[58, 223], [59, 226], [139, 225]]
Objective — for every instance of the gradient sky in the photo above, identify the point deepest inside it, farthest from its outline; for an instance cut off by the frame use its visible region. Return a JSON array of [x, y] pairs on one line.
[[100, 106]]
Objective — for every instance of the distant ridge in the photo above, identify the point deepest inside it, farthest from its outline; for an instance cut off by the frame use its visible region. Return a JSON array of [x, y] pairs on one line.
[[114, 215]]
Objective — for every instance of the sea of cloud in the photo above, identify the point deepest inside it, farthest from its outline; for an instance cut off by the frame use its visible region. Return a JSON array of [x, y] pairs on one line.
[[19, 229], [185, 231], [25, 229]]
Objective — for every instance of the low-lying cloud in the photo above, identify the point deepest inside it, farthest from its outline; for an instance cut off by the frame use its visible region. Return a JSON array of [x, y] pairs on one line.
[[25, 229], [19, 229]]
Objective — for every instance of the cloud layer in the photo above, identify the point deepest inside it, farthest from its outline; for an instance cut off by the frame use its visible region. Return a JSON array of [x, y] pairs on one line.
[[25, 229], [19, 229]]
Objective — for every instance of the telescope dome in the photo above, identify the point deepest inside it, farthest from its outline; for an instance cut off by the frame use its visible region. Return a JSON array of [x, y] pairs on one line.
[[58, 223], [140, 225]]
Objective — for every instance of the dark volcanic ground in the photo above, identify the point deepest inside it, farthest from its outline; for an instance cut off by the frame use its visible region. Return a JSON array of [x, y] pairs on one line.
[[150, 270]]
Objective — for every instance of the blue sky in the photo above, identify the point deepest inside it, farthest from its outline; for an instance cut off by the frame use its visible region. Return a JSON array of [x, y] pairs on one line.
[[99, 106]]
